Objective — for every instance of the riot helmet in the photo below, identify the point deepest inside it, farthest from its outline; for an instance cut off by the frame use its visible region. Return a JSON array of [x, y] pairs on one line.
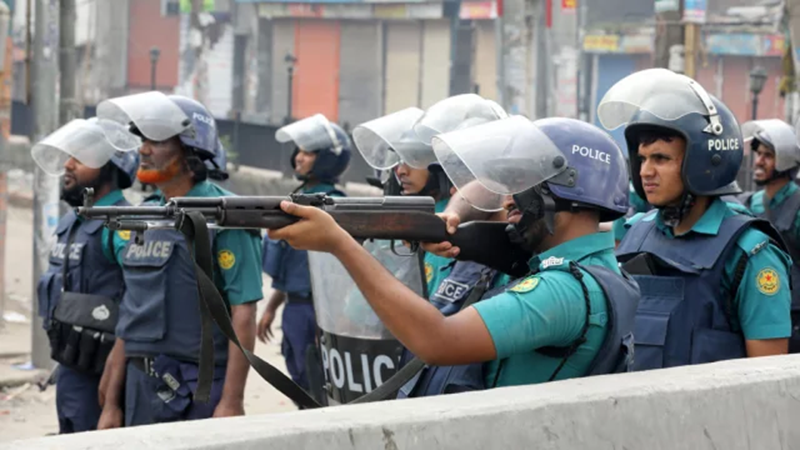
[[157, 117], [85, 140], [548, 166], [316, 134], [661, 101], [779, 137], [218, 166]]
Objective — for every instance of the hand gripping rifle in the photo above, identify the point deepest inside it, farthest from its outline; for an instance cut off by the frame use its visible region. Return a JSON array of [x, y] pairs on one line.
[[410, 219]]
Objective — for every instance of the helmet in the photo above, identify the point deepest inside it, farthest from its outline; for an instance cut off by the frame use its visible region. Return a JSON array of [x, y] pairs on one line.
[[328, 140], [217, 167], [780, 137], [659, 99], [158, 117], [85, 140], [549, 165]]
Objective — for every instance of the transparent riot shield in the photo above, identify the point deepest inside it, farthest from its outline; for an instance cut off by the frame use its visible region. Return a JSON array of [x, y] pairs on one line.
[[358, 353]]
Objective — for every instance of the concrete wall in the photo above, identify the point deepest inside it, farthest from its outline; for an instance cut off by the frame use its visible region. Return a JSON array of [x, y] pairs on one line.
[[744, 404]]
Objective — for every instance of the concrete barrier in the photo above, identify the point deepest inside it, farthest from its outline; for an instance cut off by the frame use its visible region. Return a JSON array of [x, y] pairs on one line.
[[744, 404]]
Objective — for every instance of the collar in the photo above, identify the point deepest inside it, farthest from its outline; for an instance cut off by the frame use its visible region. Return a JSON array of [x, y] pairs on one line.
[[574, 250], [110, 198], [709, 222], [784, 193], [319, 188], [107, 200], [200, 189]]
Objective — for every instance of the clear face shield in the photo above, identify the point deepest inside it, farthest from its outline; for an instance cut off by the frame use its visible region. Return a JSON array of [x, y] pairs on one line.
[[456, 113], [488, 162], [309, 134], [661, 92], [389, 140], [84, 140], [155, 116]]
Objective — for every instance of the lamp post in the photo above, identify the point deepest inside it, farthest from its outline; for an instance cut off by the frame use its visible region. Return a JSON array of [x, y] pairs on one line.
[[290, 61], [758, 77], [154, 54]]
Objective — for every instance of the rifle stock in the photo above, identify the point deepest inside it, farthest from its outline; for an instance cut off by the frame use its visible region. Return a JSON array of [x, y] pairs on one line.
[[404, 218]]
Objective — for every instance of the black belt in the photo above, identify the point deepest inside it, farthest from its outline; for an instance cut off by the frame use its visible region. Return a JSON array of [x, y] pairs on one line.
[[295, 298]]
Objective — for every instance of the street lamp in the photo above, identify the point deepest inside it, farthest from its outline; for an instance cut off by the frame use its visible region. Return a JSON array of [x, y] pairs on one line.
[[758, 78], [290, 60], [154, 54]]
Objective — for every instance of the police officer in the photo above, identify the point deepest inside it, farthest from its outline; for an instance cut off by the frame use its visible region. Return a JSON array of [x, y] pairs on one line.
[[321, 155], [714, 285], [79, 300], [777, 159], [401, 142], [159, 325], [565, 177]]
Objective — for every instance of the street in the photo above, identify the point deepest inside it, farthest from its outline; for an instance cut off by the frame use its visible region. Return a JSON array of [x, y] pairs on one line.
[[25, 411]]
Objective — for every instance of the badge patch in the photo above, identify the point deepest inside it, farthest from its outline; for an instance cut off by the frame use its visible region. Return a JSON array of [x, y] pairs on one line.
[[552, 261], [768, 281], [101, 313], [428, 272], [226, 259], [526, 285], [125, 235]]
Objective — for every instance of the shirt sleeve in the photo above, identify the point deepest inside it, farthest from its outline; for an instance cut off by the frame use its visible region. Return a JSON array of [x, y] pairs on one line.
[[552, 313], [764, 298], [120, 241], [238, 257]]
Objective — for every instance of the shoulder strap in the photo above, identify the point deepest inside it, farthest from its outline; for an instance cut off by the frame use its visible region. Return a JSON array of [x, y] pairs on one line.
[[73, 228], [407, 372], [213, 307]]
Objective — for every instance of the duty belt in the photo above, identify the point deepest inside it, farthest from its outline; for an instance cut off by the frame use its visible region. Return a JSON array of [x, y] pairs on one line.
[[144, 364], [295, 298]]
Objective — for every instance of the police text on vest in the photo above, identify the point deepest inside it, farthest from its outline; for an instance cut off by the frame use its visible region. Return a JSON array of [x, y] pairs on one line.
[[150, 249], [592, 153]]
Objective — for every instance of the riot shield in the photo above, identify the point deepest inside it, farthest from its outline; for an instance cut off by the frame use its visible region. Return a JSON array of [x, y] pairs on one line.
[[357, 352]]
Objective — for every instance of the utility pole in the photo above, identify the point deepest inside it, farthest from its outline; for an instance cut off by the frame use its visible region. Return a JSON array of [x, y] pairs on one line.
[[198, 39], [67, 62], [44, 79], [513, 48], [5, 131], [669, 31]]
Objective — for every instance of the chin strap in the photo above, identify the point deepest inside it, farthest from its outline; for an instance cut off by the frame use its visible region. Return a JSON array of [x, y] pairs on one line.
[[535, 204], [673, 215]]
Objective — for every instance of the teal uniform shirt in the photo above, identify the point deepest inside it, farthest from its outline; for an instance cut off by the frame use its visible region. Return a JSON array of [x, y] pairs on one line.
[[437, 268], [322, 188], [237, 262], [763, 305], [548, 309], [637, 205], [757, 204]]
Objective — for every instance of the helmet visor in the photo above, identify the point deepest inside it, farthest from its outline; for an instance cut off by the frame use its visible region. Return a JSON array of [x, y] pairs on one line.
[[309, 134], [661, 92], [385, 141], [155, 116], [455, 113], [496, 159], [79, 139]]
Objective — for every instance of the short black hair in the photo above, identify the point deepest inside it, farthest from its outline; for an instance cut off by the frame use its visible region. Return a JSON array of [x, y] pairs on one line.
[[651, 135]]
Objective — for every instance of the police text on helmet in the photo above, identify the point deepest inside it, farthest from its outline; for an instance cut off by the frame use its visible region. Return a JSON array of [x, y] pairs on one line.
[[723, 144], [587, 152], [205, 119]]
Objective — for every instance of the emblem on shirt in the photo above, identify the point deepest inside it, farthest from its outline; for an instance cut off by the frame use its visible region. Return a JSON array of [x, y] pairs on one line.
[[226, 259], [125, 235], [101, 313], [768, 281], [428, 272], [526, 285]]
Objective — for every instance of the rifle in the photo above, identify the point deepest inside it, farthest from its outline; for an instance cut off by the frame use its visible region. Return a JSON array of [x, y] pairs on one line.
[[409, 219]]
